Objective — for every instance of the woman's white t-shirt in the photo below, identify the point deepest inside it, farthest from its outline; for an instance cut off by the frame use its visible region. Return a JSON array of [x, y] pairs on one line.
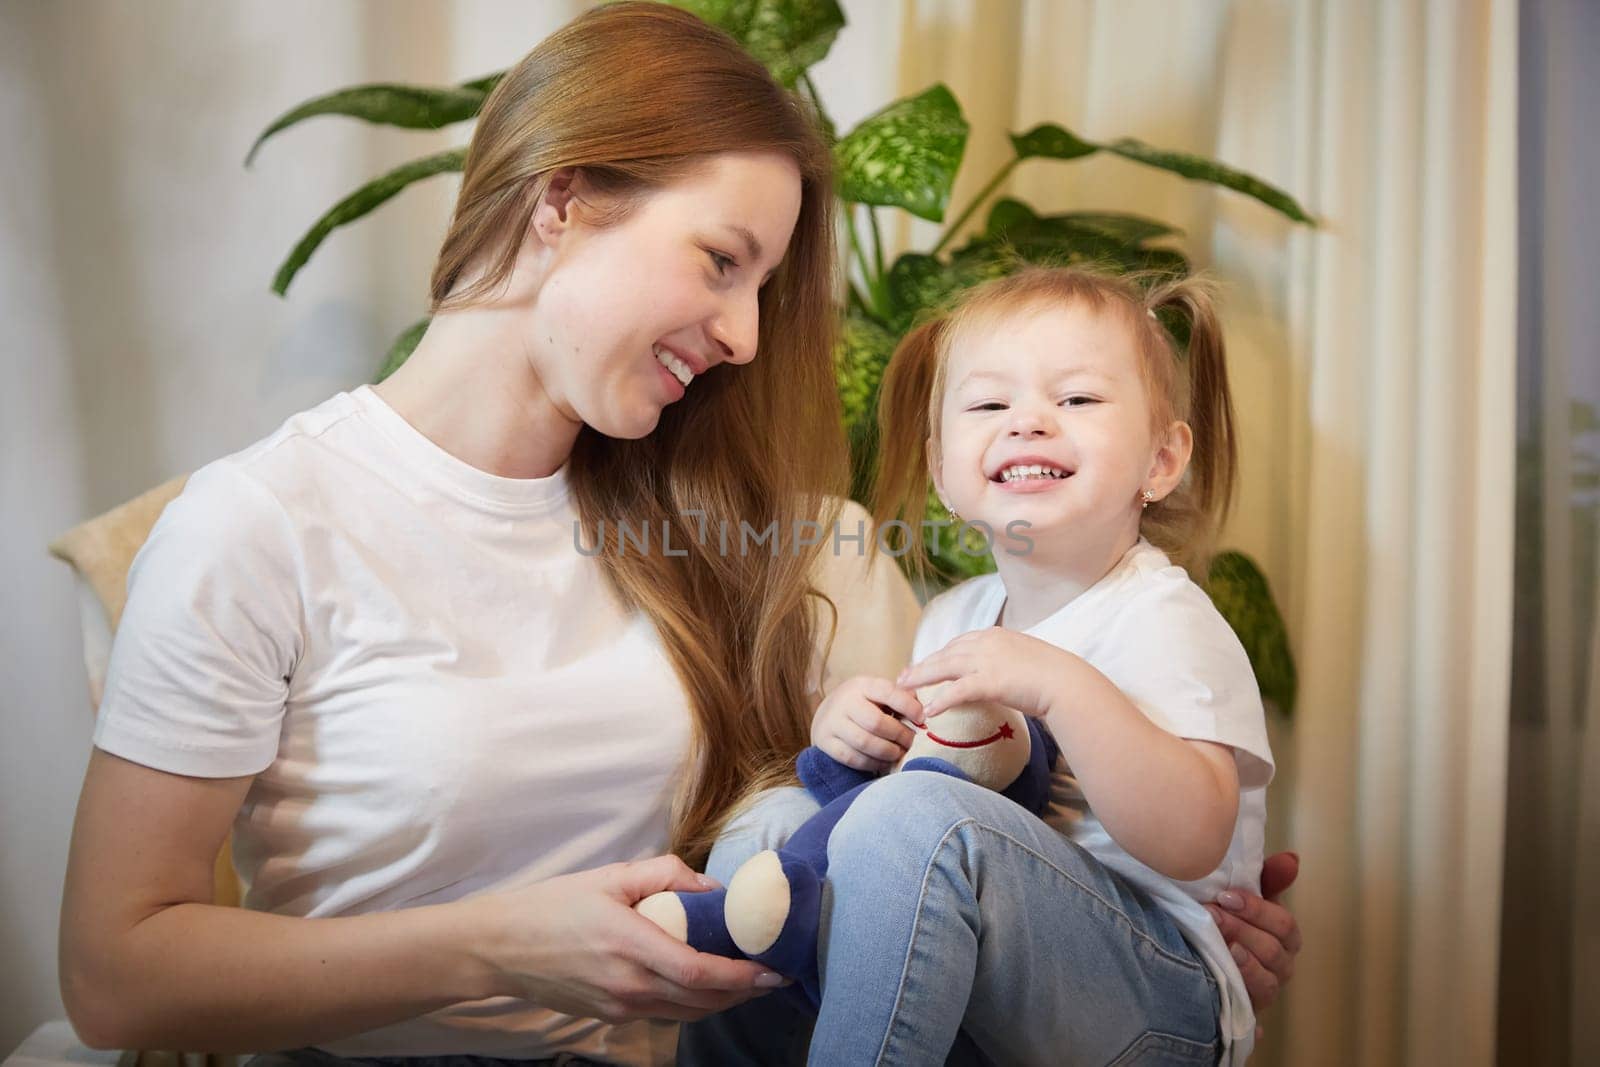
[[438, 694], [1157, 636]]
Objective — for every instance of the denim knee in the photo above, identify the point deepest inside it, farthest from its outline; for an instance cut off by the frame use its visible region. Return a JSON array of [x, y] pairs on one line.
[[904, 817]]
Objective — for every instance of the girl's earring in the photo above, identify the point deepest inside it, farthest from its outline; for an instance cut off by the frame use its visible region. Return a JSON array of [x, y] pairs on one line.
[[953, 516], [1149, 497]]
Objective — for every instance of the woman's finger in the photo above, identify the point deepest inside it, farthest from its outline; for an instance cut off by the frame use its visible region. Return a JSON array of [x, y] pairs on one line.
[[678, 970], [1278, 872], [1260, 945], [637, 880], [1275, 919], [1260, 983]]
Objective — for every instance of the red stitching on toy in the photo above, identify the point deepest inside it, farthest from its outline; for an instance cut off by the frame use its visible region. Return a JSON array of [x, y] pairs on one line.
[[1005, 731]]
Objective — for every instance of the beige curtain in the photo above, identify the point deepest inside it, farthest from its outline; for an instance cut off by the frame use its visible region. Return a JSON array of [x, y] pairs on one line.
[[1374, 362]]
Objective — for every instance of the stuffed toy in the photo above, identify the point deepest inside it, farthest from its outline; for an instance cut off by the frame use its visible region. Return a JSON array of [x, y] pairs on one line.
[[771, 909]]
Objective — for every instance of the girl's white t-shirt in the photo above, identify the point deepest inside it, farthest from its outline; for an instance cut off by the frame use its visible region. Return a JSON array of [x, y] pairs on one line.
[[438, 694], [1156, 635]]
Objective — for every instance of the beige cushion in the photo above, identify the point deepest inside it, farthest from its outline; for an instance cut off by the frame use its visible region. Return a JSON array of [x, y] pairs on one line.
[[100, 552]]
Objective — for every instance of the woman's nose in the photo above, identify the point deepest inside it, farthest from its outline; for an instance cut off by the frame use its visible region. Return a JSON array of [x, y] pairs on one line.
[[735, 330]]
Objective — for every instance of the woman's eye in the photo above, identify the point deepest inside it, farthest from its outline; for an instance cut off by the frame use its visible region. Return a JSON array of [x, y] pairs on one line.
[[723, 263]]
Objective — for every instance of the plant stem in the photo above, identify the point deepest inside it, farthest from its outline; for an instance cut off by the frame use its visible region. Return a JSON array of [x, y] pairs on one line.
[[861, 256], [983, 194], [877, 240], [816, 101]]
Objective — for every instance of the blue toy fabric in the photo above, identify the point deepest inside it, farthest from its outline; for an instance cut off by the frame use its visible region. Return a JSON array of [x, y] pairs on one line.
[[804, 859]]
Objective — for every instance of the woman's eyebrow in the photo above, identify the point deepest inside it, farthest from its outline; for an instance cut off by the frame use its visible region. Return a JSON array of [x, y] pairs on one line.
[[751, 245]]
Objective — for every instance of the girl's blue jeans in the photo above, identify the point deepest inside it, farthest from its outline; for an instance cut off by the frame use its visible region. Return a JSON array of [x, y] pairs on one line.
[[959, 928]]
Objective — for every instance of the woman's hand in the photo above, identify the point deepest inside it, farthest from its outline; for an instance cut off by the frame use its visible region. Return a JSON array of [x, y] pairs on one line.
[[1264, 936], [574, 944], [997, 665], [852, 726]]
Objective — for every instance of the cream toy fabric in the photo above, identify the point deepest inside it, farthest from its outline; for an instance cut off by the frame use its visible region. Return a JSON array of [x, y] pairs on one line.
[[771, 909]]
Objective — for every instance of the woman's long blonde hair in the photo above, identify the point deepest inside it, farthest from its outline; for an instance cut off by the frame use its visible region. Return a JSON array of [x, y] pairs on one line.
[[636, 96], [1187, 381]]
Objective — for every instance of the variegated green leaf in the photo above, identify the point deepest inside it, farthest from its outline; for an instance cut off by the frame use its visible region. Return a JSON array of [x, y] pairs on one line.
[[402, 348], [362, 201], [787, 36], [414, 107], [1240, 592], [860, 357], [1071, 239], [1134, 229], [1049, 141], [906, 155], [918, 282], [1202, 169], [956, 552]]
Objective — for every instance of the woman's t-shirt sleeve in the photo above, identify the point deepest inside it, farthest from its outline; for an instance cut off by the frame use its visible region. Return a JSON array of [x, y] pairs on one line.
[[200, 667]]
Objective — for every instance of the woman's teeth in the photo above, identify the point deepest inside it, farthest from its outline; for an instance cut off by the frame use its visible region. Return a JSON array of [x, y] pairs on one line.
[[1015, 474], [680, 370]]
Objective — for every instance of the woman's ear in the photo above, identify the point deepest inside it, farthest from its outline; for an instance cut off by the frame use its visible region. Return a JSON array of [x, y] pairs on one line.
[[1171, 459], [553, 215]]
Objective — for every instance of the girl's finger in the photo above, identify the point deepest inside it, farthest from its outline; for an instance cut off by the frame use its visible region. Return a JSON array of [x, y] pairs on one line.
[[876, 721], [899, 699], [961, 691], [927, 673], [836, 748], [872, 746]]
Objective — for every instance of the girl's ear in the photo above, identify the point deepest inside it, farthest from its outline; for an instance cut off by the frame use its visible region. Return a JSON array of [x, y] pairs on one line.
[[931, 448], [553, 215], [1171, 459]]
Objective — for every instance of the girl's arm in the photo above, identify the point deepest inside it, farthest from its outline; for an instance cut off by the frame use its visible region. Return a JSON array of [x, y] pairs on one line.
[[147, 961], [1169, 802]]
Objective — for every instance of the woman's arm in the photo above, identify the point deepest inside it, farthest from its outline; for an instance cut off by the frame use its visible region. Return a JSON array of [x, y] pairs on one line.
[[1171, 803], [148, 962]]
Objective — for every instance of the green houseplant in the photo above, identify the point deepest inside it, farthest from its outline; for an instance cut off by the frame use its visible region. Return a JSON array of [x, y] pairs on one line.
[[904, 157]]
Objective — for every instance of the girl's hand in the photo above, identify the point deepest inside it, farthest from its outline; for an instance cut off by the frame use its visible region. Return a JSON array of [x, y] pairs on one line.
[[574, 944], [852, 726], [997, 665]]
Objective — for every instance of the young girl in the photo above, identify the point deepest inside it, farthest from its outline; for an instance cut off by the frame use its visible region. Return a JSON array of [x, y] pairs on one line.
[[1057, 411]]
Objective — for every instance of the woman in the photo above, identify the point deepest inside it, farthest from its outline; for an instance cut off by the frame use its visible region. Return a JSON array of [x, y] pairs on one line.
[[400, 651]]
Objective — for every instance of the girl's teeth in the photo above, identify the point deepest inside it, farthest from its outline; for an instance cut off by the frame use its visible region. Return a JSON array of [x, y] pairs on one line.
[[1034, 470], [680, 370]]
